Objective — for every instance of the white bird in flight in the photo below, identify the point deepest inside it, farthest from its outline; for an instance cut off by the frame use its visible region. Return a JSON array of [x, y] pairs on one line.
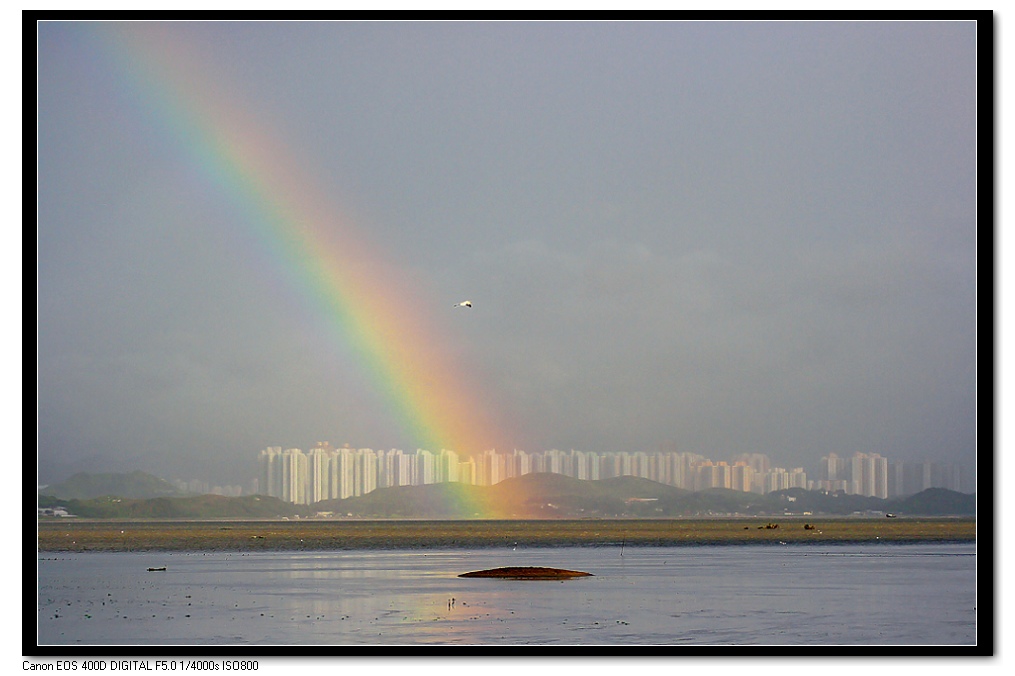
[[464, 303]]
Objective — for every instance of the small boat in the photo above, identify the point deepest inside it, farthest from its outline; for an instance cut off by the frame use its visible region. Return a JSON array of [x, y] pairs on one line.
[[152, 570]]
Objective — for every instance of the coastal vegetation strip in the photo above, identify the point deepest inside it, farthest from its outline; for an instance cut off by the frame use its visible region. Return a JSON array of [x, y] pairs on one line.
[[65, 535]]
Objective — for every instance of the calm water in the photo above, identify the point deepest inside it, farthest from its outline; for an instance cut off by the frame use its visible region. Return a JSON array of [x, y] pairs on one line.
[[744, 595]]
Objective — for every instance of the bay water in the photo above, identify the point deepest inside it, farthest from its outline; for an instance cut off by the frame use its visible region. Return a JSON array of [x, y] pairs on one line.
[[828, 595]]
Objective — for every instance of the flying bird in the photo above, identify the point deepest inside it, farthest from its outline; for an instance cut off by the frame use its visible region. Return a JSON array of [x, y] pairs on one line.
[[464, 303]]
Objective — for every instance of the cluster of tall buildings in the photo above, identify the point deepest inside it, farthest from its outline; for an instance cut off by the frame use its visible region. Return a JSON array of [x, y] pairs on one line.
[[202, 487], [325, 472], [871, 474]]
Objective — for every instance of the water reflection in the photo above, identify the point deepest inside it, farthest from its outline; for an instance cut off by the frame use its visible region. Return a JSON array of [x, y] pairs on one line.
[[671, 596]]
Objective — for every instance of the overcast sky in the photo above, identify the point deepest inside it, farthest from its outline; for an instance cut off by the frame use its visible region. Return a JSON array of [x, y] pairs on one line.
[[707, 237]]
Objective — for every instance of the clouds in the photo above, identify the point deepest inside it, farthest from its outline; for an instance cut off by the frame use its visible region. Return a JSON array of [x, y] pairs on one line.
[[728, 237], [684, 345]]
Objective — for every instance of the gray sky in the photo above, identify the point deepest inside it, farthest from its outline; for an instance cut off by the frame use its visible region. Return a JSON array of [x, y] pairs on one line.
[[706, 237]]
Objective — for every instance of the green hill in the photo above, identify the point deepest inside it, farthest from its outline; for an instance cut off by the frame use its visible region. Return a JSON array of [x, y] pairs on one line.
[[433, 501], [544, 495], [83, 486], [937, 502], [558, 496], [189, 507]]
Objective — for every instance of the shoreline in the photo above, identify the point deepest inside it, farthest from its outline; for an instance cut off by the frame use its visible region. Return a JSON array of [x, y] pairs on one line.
[[65, 535]]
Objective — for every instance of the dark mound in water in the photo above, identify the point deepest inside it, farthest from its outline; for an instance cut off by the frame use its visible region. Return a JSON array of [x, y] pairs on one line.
[[527, 573]]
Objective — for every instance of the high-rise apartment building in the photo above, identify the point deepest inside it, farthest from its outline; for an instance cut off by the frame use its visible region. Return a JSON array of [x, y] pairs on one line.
[[319, 478], [861, 474], [710, 474], [833, 468], [294, 471], [270, 477], [742, 477], [758, 462]]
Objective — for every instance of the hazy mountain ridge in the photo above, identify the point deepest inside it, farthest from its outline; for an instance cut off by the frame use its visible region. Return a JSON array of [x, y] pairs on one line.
[[540, 495], [84, 486], [186, 507]]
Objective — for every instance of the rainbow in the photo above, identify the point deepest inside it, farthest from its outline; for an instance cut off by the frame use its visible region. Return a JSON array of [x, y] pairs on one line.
[[320, 253]]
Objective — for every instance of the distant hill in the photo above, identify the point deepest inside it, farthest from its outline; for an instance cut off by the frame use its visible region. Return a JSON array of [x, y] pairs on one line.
[[450, 501], [937, 502], [544, 495], [83, 486], [189, 507], [532, 496]]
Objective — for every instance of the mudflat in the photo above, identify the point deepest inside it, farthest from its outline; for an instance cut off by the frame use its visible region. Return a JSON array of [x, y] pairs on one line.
[[73, 535]]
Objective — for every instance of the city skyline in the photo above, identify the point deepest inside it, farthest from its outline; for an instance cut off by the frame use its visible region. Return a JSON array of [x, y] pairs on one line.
[[327, 472], [756, 237]]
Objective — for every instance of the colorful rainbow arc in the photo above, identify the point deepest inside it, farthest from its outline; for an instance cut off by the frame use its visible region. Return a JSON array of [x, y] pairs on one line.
[[315, 248]]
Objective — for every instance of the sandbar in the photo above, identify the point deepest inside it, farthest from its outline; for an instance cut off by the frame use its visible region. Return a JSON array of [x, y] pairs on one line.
[[527, 573]]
